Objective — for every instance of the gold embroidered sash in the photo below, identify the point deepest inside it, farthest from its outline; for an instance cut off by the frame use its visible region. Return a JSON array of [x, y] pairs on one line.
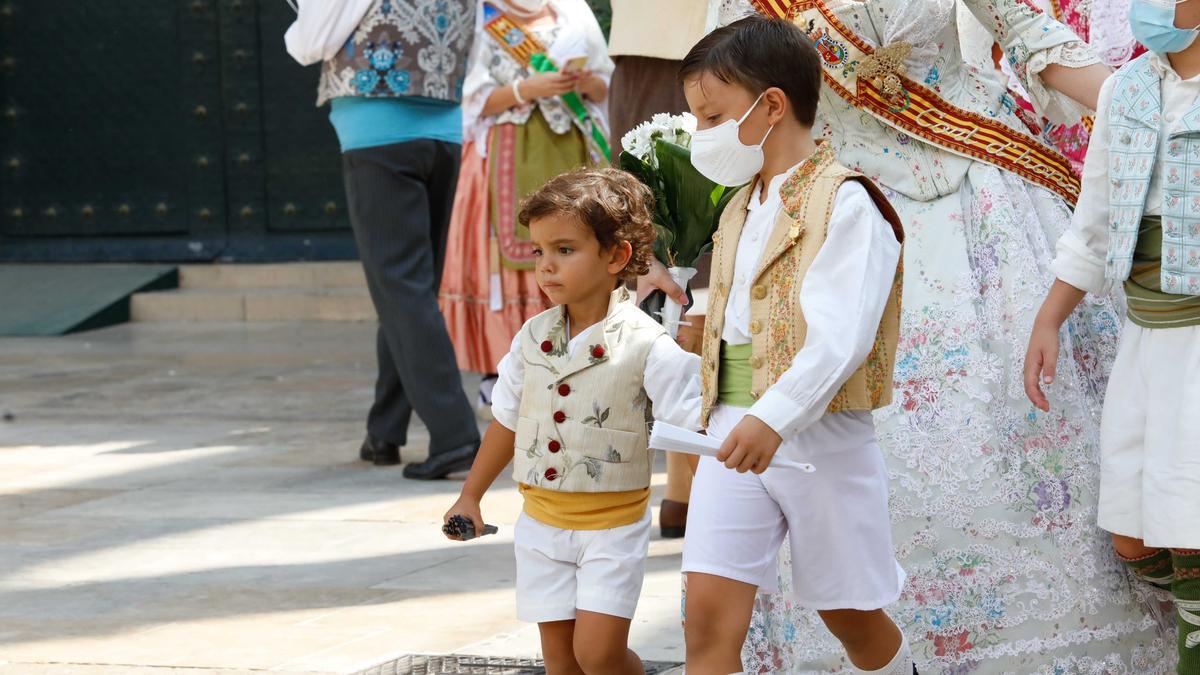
[[852, 68], [518, 42]]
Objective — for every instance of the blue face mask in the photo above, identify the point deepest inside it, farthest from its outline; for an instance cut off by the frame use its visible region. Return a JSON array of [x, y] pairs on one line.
[[1153, 24]]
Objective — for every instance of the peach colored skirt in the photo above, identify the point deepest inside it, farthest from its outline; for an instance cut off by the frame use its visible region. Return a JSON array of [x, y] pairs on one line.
[[481, 335]]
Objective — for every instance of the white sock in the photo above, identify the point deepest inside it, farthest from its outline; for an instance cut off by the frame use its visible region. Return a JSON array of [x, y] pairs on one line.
[[901, 663]]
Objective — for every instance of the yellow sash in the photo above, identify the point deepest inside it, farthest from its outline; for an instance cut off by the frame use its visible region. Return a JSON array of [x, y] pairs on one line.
[[852, 68]]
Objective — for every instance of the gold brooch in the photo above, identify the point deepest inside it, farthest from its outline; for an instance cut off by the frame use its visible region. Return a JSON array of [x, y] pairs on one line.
[[886, 68]]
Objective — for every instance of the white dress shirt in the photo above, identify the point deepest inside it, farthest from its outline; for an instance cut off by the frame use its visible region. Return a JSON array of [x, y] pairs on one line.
[[672, 381], [1083, 249], [842, 299]]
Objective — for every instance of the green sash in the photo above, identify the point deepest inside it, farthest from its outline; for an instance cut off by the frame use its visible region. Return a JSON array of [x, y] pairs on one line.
[[1149, 307], [736, 377]]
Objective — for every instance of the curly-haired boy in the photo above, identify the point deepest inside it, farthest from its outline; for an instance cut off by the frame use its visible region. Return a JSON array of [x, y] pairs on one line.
[[570, 410]]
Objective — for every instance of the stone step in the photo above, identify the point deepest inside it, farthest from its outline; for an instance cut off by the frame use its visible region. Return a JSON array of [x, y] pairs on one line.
[[342, 274], [254, 304]]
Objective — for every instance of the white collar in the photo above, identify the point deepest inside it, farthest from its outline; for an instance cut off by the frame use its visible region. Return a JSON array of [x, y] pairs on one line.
[[1162, 66]]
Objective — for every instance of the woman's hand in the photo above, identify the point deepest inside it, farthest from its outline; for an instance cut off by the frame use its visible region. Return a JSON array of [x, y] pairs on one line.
[[592, 86], [658, 278], [545, 85]]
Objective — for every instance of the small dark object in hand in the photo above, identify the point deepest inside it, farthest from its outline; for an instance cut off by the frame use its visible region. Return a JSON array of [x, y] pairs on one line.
[[654, 302], [461, 526]]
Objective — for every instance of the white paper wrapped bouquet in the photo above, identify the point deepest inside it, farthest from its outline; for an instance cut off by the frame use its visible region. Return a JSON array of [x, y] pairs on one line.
[[687, 206]]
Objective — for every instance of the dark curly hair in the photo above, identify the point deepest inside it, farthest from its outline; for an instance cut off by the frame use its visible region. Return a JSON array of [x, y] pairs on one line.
[[613, 204]]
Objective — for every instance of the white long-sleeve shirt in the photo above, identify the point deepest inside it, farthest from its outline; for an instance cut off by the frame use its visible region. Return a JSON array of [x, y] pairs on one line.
[[842, 298], [1083, 249], [672, 381]]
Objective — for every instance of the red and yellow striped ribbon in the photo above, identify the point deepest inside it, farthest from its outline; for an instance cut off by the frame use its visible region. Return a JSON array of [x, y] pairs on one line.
[[922, 112], [505, 29]]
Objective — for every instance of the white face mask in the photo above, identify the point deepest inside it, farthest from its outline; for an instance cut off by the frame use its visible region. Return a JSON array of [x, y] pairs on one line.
[[527, 7], [720, 156]]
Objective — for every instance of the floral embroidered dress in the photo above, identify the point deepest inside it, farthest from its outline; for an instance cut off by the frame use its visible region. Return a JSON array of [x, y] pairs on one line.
[[488, 289], [993, 503], [1104, 24]]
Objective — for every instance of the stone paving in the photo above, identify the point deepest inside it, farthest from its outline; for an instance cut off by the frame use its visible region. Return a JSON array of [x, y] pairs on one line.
[[187, 499]]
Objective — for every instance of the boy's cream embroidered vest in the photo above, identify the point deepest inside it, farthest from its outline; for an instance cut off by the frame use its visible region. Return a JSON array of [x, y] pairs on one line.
[[777, 326], [583, 418]]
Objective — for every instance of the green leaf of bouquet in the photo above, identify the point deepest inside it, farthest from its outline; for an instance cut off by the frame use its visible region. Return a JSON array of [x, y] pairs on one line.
[[688, 196], [715, 195], [664, 242], [635, 166]]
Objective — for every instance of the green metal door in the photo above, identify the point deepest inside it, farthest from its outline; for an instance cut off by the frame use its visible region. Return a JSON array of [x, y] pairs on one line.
[[162, 130]]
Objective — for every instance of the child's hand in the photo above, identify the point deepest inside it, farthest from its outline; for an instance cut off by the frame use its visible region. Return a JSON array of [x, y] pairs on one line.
[[750, 446], [468, 507], [1040, 362]]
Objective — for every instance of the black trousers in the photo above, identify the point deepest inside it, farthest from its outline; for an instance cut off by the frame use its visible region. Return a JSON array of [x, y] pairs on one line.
[[400, 197]]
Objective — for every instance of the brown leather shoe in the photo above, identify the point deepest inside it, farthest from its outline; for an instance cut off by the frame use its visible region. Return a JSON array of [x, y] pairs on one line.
[[672, 519]]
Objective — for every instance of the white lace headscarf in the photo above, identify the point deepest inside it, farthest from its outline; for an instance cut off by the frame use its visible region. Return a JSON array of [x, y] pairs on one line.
[[919, 24]]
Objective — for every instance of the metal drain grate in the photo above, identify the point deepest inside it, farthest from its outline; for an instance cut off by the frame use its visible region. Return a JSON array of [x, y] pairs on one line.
[[456, 664]]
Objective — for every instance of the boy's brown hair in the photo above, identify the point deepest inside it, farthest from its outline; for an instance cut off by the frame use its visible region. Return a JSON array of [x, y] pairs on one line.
[[611, 203], [757, 53]]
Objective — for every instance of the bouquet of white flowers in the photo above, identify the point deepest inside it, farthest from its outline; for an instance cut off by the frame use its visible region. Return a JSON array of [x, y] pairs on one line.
[[676, 129], [687, 206]]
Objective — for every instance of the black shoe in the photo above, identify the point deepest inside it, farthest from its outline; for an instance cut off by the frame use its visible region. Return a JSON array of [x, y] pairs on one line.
[[443, 464], [379, 452]]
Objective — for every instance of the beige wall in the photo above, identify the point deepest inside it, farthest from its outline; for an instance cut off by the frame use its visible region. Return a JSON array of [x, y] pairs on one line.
[[664, 29]]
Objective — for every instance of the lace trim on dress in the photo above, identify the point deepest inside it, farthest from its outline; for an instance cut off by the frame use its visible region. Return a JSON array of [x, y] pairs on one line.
[[1057, 107]]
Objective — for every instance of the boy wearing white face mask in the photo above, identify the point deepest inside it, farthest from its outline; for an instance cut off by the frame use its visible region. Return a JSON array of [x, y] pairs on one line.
[[798, 349], [1138, 224]]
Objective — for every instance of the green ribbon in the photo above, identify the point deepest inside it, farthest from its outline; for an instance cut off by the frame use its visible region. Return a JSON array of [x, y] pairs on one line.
[[542, 64]]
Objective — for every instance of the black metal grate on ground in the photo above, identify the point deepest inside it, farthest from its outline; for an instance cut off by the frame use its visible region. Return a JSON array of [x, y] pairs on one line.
[[454, 664]]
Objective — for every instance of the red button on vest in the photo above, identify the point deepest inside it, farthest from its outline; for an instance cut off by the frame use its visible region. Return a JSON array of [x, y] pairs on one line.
[[564, 389], [547, 346], [560, 417], [554, 446], [597, 351], [551, 474]]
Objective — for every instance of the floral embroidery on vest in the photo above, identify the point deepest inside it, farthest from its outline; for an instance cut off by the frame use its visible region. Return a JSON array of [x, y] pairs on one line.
[[582, 425], [778, 328], [404, 48]]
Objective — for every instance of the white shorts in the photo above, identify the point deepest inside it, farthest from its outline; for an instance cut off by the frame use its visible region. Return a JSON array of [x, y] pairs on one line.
[[1149, 448], [560, 571], [837, 517]]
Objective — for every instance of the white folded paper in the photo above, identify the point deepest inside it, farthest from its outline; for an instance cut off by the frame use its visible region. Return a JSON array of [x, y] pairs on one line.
[[670, 438]]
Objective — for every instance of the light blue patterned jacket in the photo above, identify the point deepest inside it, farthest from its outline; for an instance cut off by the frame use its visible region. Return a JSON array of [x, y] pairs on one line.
[[1134, 131]]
